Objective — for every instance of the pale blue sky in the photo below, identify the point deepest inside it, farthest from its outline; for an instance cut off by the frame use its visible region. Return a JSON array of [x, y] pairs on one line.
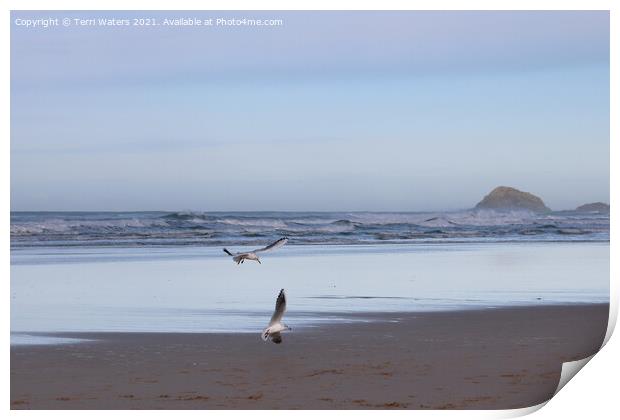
[[332, 111]]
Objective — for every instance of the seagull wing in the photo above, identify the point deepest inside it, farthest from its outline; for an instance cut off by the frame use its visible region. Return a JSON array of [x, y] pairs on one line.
[[277, 244], [280, 308]]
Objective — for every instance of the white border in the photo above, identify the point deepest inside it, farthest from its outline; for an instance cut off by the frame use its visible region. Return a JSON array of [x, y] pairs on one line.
[[592, 394]]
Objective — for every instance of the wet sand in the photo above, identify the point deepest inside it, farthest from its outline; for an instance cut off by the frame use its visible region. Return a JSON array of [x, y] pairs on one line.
[[478, 359]]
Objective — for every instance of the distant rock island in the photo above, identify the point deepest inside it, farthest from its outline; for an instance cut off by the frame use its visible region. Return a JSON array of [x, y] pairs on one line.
[[508, 198], [594, 207]]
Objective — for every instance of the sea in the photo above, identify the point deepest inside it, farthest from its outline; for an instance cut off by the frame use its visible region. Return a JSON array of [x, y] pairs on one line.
[[166, 272], [152, 229]]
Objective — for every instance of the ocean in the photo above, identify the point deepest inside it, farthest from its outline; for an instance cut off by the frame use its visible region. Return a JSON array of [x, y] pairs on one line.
[[166, 272], [59, 229]]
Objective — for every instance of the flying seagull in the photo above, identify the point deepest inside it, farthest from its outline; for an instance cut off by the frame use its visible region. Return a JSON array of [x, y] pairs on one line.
[[242, 256], [275, 325]]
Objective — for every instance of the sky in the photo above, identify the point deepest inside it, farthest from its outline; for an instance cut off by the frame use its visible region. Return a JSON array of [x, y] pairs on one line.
[[331, 111]]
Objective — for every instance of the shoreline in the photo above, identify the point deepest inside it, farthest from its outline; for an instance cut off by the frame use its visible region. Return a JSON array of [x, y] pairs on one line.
[[345, 318], [328, 319], [453, 359]]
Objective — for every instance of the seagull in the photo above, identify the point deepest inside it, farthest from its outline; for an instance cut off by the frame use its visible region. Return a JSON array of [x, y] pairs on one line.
[[242, 256], [275, 325]]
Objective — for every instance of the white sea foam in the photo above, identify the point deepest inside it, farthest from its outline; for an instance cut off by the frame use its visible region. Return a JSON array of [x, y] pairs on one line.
[[267, 223]]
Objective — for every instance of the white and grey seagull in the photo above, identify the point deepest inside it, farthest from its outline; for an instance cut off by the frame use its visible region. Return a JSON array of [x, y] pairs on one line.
[[276, 326], [242, 256]]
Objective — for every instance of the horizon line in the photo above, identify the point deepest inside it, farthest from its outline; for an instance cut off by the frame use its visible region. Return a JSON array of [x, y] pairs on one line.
[[281, 211]]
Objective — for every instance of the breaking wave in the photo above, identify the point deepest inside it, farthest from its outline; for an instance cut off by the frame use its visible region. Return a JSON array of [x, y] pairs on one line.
[[249, 228]]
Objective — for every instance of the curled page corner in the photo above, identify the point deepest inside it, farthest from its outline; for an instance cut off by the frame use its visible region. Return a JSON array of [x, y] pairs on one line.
[[520, 412], [570, 369]]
